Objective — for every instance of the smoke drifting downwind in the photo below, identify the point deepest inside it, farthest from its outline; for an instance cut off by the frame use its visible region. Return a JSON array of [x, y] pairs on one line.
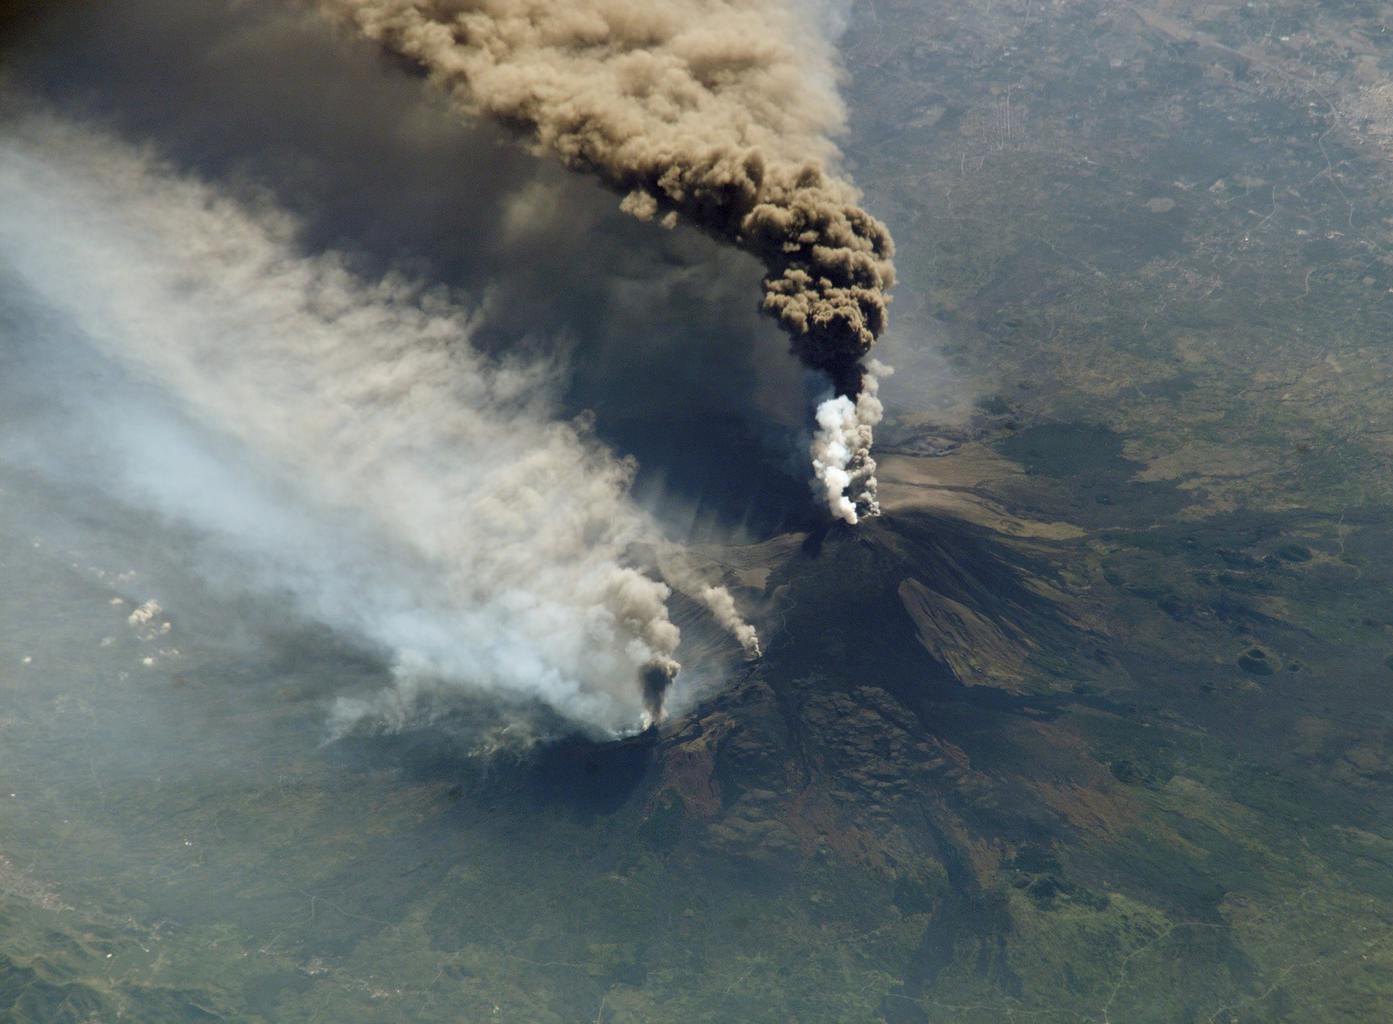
[[721, 604], [341, 440], [717, 112]]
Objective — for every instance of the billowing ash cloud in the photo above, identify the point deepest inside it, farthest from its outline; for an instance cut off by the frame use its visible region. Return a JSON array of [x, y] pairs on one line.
[[338, 439], [718, 112]]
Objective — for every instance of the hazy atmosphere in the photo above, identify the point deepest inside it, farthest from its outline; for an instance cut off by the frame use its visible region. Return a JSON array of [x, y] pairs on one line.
[[705, 510]]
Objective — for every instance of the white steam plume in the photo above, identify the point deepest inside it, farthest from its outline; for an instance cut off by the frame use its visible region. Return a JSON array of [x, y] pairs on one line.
[[720, 113], [842, 465], [343, 440]]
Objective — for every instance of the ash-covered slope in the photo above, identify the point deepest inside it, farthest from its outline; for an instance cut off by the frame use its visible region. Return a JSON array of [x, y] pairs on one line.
[[891, 720], [913, 669]]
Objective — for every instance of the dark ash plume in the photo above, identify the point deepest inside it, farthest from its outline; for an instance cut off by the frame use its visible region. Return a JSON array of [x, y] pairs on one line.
[[716, 113], [655, 678]]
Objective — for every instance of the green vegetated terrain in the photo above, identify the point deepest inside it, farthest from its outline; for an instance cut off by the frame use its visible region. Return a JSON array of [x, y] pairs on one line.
[[1093, 725]]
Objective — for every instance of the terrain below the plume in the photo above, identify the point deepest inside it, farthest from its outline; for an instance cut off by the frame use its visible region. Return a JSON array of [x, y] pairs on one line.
[[1094, 724]]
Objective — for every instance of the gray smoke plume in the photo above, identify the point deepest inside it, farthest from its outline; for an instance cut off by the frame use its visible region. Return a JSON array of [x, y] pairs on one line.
[[718, 112], [721, 604], [339, 438]]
